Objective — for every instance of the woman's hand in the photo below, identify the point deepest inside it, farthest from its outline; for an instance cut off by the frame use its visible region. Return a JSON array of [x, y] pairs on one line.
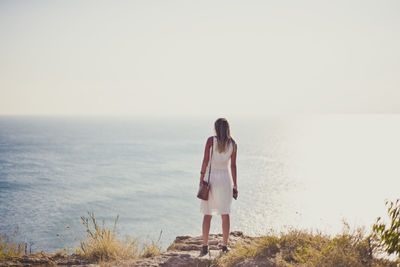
[[202, 181], [235, 192]]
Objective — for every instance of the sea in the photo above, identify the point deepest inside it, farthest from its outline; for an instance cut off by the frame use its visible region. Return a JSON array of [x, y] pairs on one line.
[[312, 172]]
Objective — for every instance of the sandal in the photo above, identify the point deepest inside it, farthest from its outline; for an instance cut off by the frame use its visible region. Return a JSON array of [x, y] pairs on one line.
[[204, 250], [225, 249]]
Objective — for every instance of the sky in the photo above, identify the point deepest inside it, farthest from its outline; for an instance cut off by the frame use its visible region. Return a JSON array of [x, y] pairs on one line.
[[194, 58]]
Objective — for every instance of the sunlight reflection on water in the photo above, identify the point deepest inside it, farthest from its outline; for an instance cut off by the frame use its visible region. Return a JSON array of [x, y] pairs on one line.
[[308, 172], [325, 169]]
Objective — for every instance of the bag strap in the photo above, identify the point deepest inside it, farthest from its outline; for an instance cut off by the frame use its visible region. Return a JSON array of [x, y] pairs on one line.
[[212, 150]]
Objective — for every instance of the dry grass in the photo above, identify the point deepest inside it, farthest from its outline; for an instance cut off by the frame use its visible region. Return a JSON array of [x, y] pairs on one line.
[[103, 245], [9, 248], [152, 248], [304, 248]]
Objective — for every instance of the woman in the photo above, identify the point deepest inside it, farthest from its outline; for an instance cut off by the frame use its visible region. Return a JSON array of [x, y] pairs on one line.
[[223, 148]]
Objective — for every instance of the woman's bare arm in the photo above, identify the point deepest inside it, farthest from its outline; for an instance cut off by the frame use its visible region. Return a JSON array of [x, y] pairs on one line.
[[205, 158], [233, 165]]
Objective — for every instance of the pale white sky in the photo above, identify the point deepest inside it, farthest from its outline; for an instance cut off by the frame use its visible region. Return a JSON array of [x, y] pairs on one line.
[[192, 58]]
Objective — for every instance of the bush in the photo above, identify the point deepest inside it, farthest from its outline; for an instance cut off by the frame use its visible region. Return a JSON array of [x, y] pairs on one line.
[[390, 238], [304, 248]]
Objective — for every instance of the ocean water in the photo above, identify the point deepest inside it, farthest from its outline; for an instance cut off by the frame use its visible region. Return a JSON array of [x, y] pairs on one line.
[[308, 172]]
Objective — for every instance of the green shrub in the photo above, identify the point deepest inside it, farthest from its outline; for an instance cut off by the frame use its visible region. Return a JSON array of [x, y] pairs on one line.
[[390, 238]]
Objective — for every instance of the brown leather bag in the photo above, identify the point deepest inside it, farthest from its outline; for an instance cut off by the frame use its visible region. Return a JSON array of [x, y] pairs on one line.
[[204, 186]]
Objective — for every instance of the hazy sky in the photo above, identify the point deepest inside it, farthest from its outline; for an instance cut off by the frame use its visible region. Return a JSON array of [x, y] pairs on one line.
[[199, 57]]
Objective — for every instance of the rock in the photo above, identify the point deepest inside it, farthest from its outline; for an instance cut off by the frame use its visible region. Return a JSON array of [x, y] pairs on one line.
[[184, 251]]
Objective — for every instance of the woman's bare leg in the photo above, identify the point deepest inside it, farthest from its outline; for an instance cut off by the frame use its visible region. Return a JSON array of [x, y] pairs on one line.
[[225, 228], [206, 228]]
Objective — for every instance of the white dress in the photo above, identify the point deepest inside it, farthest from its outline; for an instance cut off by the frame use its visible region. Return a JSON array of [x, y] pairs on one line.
[[221, 185]]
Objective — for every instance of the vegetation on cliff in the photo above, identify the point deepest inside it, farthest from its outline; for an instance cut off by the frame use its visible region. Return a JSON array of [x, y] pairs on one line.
[[103, 244], [304, 248], [390, 237], [10, 248], [353, 247]]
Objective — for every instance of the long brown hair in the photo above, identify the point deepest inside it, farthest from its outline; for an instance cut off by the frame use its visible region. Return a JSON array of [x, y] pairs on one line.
[[223, 132]]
